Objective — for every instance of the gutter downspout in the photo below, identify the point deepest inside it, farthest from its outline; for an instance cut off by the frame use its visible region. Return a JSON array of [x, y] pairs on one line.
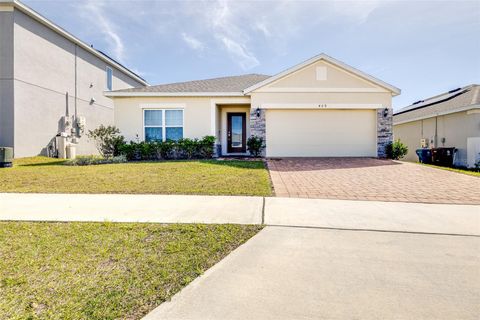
[[75, 103]]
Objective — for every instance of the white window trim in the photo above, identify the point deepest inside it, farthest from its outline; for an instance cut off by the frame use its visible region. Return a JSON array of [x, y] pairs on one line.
[[163, 126], [106, 78]]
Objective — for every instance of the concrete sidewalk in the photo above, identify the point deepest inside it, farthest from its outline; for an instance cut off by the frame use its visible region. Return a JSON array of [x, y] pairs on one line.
[[373, 215], [337, 214], [131, 208]]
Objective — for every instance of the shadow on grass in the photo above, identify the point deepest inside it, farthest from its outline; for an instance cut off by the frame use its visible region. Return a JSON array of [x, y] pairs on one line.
[[244, 164], [40, 164]]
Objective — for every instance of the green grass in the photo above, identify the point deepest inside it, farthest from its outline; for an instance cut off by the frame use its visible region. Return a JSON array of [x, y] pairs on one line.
[[104, 270], [464, 171], [208, 177]]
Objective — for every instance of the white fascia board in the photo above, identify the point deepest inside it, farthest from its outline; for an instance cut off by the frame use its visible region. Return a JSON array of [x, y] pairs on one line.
[[38, 17], [163, 105], [395, 91], [321, 105], [431, 115], [322, 90], [172, 94]]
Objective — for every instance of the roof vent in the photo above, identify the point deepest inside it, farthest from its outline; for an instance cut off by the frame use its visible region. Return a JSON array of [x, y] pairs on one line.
[[419, 101], [454, 90]]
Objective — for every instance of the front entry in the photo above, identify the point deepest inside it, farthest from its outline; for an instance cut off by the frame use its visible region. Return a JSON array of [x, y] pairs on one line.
[[236, 132]]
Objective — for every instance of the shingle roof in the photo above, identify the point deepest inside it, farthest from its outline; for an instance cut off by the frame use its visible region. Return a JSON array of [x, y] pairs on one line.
[[442, 103], [217, 85]]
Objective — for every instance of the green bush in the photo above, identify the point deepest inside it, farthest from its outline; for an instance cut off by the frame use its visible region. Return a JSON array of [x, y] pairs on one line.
[[187, 148], [255, 145], [166, 150], [158, 150], [94, 160], [129, 150], [107, 140], [396, 150], [206, 147]]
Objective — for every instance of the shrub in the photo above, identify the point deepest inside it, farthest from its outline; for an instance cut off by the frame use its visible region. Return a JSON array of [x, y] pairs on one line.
[[396, 150], [95, 160], [129, 150], [255, 145], [158, 150], [206, 147], [187, 148], [166, 149], [107, 140]]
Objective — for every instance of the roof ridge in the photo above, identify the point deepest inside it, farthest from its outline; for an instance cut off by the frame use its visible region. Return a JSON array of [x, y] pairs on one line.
[[217, 78], [476, 94], [464, 88]]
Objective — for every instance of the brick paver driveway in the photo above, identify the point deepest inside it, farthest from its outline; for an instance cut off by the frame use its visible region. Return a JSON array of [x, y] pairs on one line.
[[370, 179]]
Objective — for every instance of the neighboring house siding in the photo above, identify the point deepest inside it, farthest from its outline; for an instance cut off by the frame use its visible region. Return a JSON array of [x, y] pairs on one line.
[[47, 66], [454, 127], [6, 79]]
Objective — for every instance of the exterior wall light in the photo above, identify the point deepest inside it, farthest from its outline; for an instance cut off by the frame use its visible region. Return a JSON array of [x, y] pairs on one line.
[[385, 112], [258, 112]]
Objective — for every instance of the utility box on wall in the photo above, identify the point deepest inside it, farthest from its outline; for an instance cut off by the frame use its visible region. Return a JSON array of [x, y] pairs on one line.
[[473, 151], [6, 157], [423, 143]]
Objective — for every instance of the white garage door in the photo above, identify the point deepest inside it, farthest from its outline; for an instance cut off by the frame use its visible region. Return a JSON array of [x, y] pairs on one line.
[[321, 133]]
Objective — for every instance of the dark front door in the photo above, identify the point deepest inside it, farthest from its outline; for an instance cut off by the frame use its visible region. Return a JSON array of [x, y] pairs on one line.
[[236, 133]]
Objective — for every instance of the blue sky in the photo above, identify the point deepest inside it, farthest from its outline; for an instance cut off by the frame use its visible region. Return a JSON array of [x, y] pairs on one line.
[[422, 47]]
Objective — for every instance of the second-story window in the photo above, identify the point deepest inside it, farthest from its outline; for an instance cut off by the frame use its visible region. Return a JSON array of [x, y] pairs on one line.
[[109, 78]]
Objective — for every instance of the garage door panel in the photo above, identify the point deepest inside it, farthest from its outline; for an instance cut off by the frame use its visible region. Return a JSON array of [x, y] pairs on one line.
[[321, 133]]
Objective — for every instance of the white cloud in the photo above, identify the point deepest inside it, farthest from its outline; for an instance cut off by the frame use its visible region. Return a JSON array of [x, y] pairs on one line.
[[244, 58], [356, 10], [192, 42], [232, 36], [106, 27]]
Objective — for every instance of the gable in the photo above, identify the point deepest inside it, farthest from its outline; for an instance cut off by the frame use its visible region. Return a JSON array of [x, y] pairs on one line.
[[320, 75], [323, 74]]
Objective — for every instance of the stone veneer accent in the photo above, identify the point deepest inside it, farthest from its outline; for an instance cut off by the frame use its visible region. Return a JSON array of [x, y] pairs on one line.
[[217, 150], [384, 131], [257, 125]]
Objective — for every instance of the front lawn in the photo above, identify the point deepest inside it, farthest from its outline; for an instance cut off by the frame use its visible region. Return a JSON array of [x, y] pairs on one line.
[[104, 270], [208, 177], [464, 171]]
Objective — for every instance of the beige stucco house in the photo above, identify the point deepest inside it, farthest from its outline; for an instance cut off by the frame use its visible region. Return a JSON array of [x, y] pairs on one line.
[[42, 69], [450, 119], [319, 108]]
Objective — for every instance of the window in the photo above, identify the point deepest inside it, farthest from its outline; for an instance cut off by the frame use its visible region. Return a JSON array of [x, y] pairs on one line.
[[109, 78], [163, 124]]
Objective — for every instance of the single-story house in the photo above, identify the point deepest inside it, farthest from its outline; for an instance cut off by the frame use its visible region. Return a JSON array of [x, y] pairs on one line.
[[319, 108], [450, 119]]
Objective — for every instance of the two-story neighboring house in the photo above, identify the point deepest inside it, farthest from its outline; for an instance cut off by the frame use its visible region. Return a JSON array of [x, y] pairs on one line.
[[47, 74]]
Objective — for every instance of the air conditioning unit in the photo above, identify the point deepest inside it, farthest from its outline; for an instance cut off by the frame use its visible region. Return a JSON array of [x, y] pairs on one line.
[[424, 143], [6, 157]]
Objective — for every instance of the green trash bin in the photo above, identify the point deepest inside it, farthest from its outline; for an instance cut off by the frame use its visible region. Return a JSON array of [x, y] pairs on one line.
[[6, 157]]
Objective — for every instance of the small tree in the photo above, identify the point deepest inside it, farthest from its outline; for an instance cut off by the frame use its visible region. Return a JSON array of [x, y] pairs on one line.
[[255, 145], [107, 140], [396, 150]]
